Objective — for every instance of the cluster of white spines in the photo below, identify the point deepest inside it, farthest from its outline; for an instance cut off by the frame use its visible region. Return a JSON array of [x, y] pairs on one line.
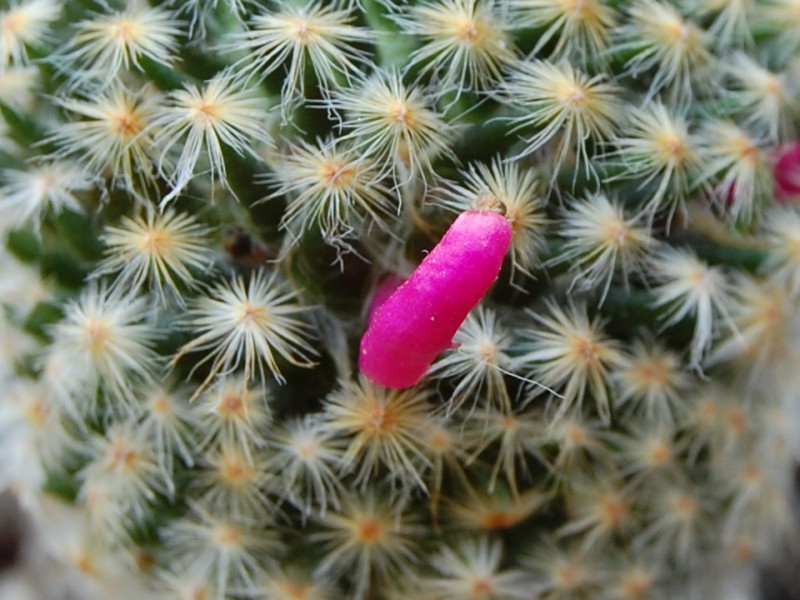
[[623, 121], [465, 47], [107, 43]]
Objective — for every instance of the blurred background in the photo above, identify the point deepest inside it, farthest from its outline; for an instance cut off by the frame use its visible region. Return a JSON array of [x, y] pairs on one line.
[[27, 574]]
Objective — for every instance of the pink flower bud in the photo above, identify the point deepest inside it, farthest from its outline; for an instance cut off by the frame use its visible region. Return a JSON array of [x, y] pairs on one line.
[[419, 320], [383, 292], [787, 172]]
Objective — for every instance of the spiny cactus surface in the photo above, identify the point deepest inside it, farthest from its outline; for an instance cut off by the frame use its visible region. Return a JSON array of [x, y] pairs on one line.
[[204, 203]]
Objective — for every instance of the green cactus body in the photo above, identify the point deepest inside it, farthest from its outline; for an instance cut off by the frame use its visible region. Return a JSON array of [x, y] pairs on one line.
[[198, 200]]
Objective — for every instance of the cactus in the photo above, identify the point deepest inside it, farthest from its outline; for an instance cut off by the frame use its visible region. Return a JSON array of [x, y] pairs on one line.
[[200, 200]]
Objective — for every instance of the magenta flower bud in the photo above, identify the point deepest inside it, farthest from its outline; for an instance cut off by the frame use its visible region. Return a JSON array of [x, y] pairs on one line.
[[382, 293], [787, 172], [418, 321]]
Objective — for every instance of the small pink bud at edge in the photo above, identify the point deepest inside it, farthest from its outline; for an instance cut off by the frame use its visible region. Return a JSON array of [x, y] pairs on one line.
[[418, 321], [787, 173]]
